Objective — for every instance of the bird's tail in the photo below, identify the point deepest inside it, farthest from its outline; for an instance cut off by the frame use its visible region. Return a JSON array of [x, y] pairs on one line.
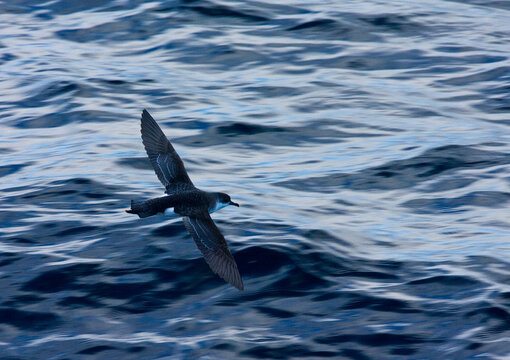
[[142, 208]]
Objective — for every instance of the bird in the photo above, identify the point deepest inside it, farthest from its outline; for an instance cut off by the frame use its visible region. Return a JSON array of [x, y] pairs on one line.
[[185, 200]]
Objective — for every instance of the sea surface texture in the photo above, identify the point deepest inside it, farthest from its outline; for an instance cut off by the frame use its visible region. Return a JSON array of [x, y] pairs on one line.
[[367, 142]]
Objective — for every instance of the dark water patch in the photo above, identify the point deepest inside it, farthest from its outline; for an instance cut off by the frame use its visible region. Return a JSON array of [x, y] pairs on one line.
[[346, 267], [261, 115], [77, 230], [405, 59], [496, 317], [151, 250], [345, 27], [497, 4], [21, 300], [491, 199], [143, 304], [114, 82], [321, 132], [286, 352], [449, 184], [444, 287], [260, 261], [162, 270], [45, 16], [214, 11], [6, 170], [404, 173], [403, 351], [277, 313], [28, 320], [8, 258], [21, 240], [450, 280], [246, 129], [320, 263], [358, 301], [182, 278], [505, 296], [12, 218], [331, 29], [320, 23], [118, 30], [96, 349], [135, 349], [273, 91], [14, 8], [500, 73], [323, 236], [223, 57], [69, 194], [368, 274], [60, 279], [157, 300], [401, 24], [50, 231], [299, 280], [435, 69], [63, 7], [48, 93], [267, 293], [354, 354], [74, 302], [139, 296], [6, 150], [169, 231], [499, 89], [416, 112], [496, 105], [327, 297], [456, 49], [56, 119], [6, 57], [119, 291], [381, 339]]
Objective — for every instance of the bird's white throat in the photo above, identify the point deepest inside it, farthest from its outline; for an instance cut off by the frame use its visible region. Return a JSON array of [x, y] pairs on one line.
[[219, 205], [169, 212]]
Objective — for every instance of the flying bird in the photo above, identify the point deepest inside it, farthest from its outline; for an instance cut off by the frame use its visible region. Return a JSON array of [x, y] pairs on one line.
[[184, 199]]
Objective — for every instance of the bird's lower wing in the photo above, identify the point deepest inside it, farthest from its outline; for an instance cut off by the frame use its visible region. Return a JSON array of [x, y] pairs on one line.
[[164, 159], [213, 246]]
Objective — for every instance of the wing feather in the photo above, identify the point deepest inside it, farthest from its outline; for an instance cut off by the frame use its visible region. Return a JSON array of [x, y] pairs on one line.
[[164, 159], [214, 248]]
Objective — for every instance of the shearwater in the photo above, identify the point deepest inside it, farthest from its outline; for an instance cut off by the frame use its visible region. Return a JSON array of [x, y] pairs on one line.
[[184, 199]]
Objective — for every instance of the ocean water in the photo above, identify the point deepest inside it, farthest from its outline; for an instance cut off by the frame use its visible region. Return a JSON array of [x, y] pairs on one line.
[[367, 142]]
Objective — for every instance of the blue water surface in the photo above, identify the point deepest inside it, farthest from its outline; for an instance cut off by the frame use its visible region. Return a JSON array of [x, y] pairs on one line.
[[368, 143]]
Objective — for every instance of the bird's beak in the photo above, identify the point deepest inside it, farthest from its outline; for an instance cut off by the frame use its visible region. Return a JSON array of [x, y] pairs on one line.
[[233, 203]]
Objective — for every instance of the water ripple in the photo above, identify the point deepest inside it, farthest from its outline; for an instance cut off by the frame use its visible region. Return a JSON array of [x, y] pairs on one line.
[[367, 143]]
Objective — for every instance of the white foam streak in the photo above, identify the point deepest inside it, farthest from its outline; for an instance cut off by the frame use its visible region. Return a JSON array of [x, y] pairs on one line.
[[56, 250], [256, 335]]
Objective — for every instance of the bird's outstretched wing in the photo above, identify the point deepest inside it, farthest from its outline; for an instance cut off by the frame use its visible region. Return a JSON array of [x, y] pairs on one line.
[[213, 246], [164, 159]]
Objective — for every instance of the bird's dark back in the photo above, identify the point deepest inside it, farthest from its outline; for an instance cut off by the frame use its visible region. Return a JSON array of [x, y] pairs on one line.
[[193, 203]]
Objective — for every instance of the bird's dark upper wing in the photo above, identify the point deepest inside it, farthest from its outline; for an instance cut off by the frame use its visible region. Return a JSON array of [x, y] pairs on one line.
[[163, 157], [213, 246]]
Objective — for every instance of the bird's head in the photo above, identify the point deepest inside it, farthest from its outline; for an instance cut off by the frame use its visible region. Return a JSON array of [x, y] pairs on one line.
[[218, 201], [225, 200], [222, 200]]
